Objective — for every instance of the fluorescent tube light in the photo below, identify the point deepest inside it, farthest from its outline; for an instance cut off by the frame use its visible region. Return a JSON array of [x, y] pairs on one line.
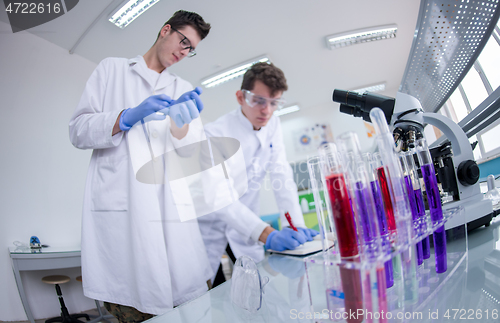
[[361, 36], [286, 110], [232, 73], [371, 88], [130, 11]]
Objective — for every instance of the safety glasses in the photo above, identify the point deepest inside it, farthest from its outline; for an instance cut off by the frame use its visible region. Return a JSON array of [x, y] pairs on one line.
[[256, 101]]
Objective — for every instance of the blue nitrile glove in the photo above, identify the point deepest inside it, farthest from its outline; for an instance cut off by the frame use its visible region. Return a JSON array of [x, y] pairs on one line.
[[186, 108], [285, 239], [309, 233], [146, 110]]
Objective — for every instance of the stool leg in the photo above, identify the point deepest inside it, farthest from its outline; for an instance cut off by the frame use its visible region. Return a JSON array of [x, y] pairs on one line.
[[98, 305], [66, 317], [64, 310]]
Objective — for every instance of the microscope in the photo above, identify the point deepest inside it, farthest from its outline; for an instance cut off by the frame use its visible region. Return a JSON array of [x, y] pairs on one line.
[[457, 172]]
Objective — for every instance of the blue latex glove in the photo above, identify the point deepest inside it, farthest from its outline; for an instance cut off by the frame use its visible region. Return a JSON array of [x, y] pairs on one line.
[[285, 239], [309, 233], [146, 110], [186, 108]]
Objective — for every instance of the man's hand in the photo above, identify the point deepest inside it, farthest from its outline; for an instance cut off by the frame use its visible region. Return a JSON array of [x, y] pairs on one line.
[[309, 233], [186, 108], [146, 110], [285, 239]]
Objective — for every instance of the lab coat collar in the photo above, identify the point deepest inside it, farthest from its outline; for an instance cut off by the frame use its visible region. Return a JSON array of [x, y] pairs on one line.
[[151, 77], [243, 120], [260, 134]]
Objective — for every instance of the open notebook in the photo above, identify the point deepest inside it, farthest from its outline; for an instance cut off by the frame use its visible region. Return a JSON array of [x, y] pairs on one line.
[[304, 249]]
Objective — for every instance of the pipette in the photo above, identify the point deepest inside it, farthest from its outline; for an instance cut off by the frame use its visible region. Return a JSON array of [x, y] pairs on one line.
[[147, 139]]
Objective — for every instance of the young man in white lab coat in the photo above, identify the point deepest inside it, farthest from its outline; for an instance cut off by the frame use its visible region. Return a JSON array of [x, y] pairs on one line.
[[261, 139], [137, 256]]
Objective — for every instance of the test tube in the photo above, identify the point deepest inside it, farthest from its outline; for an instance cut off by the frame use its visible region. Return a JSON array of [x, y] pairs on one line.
[[382, 295], [385, 143], [381, 172], [340, 205], [413, 204], [409, 266], [419, 200], [353, 293], [345, 226], [434, 200], [361, 195], [385, 243], [322, 205], [365, 215]]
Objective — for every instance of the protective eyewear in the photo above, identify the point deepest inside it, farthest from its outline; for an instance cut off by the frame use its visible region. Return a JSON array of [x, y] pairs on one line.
[[254, 100], [186, 44]]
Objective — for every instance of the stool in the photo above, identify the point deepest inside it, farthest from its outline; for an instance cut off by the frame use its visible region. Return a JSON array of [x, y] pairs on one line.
[[65, 316], [98, 305]]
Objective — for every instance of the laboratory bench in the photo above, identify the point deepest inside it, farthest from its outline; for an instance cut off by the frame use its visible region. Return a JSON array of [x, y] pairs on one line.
[[23, 258], [469, 289]]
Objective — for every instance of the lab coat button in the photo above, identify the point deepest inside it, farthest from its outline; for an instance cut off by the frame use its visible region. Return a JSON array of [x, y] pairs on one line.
[[155, 134]]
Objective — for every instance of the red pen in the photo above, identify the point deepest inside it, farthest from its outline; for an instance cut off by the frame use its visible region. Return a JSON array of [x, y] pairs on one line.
[[289, 219]]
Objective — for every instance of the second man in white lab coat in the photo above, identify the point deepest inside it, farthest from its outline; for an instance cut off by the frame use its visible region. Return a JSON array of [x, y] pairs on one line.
[[261, 139]]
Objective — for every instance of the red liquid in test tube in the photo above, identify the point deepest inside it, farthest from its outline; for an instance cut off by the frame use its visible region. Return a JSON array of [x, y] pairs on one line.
[[342, 216], [384, 188], [353, 292]]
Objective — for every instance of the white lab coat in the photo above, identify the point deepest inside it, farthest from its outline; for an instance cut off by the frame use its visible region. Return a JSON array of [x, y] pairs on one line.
[[263, 151], [135, 251]]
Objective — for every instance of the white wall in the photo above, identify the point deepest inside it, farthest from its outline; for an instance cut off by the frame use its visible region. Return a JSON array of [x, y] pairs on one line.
[[43, 175], [324, 113]]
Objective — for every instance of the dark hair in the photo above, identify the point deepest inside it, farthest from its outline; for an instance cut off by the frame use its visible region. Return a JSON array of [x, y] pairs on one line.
[[184, 18], [267, 73]]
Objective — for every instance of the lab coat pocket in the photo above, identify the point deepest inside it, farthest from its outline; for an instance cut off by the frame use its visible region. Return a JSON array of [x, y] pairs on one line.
[[109, 184]]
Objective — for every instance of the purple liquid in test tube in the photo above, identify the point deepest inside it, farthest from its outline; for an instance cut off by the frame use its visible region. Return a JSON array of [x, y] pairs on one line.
[[426, 246], [384, 232], [414, 214], [369, 231], [436, 216]]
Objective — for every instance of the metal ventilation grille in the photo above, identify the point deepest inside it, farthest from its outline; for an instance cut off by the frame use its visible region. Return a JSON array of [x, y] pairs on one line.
[[448, 39]]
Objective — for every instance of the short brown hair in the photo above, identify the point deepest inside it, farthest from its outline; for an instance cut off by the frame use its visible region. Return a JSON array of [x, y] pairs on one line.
[[184, 18], [267, 73]]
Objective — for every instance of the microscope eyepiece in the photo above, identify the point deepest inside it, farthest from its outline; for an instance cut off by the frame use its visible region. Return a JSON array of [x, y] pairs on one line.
[[353, 99], [356, 112], [359, 105]]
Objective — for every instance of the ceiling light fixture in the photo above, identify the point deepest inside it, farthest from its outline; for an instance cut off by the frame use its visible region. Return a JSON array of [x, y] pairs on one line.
[[286, 110], [372, 88], [232, 73], [361, 36], [130, 11]]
